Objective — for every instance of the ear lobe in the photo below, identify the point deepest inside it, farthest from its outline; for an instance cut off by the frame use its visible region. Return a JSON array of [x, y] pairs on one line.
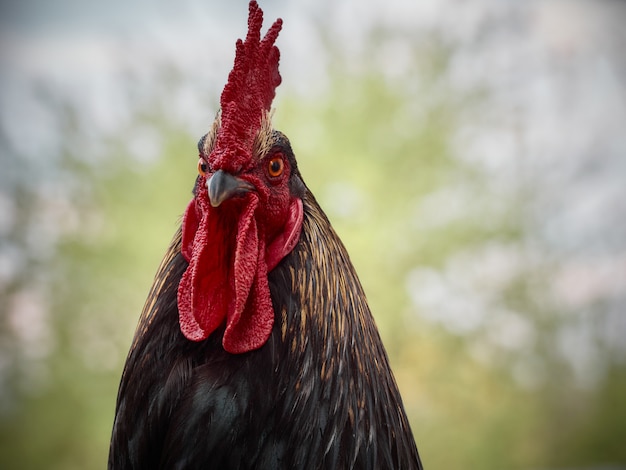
[[287, 240], [190, 227]]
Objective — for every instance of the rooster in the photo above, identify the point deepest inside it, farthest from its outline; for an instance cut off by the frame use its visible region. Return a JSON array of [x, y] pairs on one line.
[[256, 348]]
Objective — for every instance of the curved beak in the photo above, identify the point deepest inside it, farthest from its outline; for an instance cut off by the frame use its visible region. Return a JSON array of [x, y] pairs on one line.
[[223, 186]]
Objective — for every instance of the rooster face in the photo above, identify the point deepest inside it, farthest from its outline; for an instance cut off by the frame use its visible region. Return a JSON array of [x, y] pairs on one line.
[[270, 176], [243, 220]]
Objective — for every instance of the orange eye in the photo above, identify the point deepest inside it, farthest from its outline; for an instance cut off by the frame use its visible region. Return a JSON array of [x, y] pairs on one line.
[[202, 167], [275, 167]]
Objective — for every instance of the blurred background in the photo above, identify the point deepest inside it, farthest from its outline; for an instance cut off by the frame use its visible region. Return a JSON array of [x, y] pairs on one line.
[[472, 156]]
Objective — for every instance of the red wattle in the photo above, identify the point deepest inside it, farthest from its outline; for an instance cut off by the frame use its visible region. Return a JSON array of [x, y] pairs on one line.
[[202, 298], [250, 324], [226, 280]]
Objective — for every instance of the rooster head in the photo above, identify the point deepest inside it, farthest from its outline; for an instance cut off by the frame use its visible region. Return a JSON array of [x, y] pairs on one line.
[[246, 214]]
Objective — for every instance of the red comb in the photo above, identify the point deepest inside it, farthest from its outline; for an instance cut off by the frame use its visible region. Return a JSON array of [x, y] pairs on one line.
[[248, 94]]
